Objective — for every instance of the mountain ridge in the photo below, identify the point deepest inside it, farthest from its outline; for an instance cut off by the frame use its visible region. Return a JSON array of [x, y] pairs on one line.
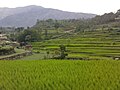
[[27, 16]]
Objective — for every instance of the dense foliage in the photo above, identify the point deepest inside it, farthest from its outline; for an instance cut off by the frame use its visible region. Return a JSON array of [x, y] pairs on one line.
[[28, 35]]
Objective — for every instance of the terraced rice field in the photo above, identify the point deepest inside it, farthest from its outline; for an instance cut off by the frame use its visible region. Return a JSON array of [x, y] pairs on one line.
[[93, 45]]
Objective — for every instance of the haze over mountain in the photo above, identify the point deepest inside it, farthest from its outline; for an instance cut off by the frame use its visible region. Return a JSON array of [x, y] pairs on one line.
[[27, 16]]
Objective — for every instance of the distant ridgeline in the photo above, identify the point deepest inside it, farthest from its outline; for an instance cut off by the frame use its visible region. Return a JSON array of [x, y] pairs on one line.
[[27, 16]]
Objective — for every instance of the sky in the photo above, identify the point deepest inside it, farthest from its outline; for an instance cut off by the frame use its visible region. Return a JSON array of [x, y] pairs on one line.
[[86, 6]]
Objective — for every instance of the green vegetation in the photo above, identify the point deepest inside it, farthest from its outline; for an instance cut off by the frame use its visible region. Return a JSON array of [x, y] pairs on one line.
[[87, 53], [59, 75]]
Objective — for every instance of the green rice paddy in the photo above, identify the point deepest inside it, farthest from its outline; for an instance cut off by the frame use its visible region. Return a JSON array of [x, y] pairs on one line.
[[59, 75]]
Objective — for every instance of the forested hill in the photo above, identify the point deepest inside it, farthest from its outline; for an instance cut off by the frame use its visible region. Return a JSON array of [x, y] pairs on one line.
[[107, 18], [27, 16]]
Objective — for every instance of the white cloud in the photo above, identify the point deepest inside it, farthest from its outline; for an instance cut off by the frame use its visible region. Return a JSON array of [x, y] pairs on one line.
[[86, 6]]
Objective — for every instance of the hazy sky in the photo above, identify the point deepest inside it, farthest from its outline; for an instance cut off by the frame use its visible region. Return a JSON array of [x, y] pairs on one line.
[[86, 6]]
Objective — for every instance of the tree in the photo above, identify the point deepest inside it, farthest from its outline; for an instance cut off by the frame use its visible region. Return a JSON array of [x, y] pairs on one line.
[[28, 35], [62, 52], [82, 26], [56, 25], [28, 38], [46, 34]]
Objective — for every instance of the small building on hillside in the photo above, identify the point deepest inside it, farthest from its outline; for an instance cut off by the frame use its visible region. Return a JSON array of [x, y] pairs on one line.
[[5, 41], [3, 37]]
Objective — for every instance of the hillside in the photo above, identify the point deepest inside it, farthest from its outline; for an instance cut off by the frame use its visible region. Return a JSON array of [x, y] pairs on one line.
[[27, 16]]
